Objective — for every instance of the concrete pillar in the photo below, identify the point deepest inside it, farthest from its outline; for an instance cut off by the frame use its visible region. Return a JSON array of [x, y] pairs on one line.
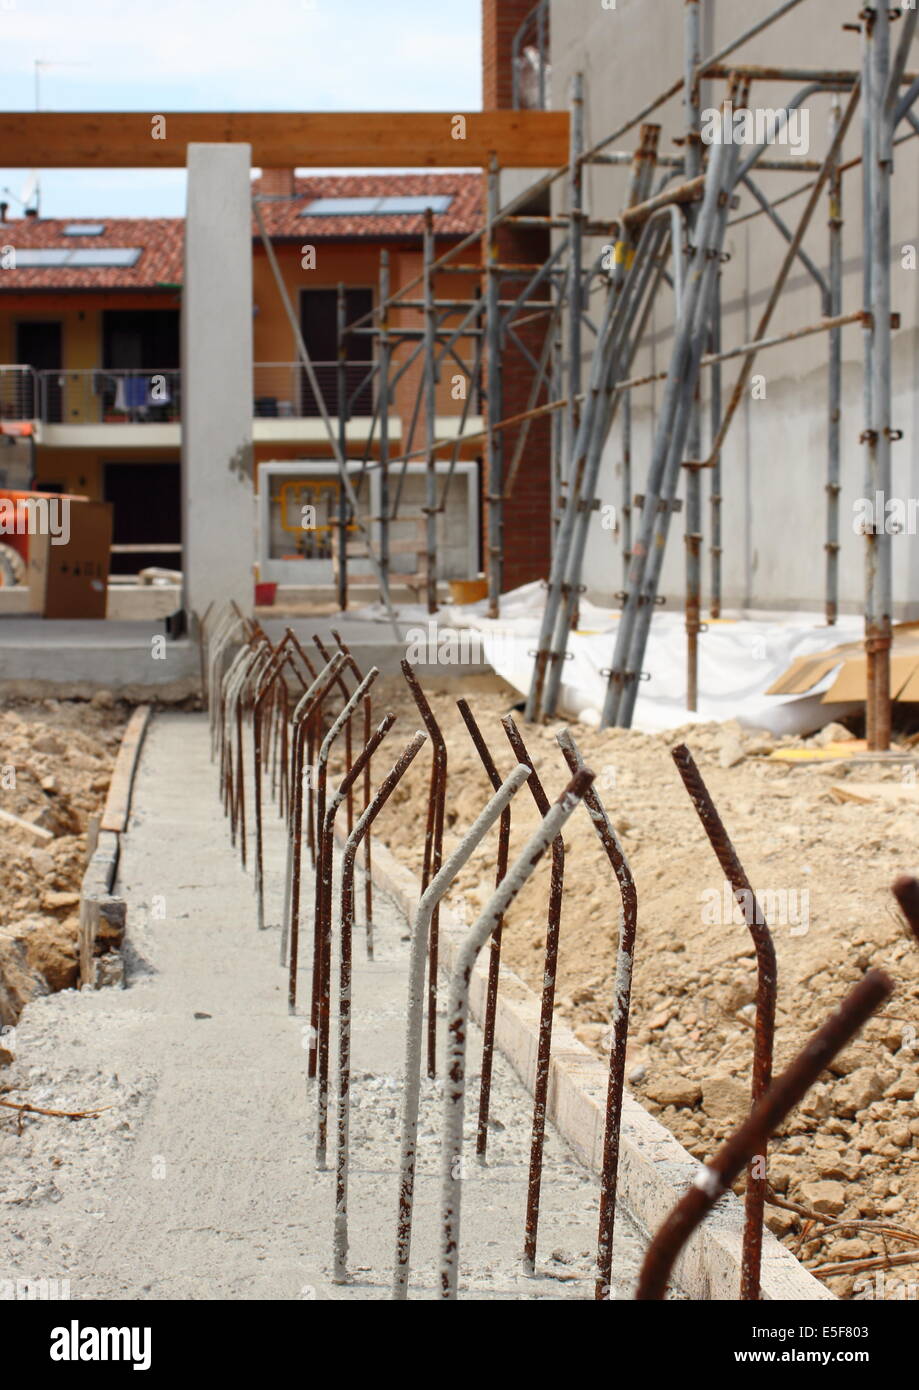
[[217, 494]]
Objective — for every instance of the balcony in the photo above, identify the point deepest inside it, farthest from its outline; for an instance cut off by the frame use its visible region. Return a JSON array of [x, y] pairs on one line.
[[89, 407]]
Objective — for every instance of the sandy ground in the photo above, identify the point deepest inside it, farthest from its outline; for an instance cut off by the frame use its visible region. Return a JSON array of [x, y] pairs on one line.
[[821, 844], [55, 763], [198, 1181]]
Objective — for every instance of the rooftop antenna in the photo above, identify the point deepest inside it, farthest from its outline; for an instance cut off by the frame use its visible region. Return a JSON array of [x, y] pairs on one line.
[[32, 189]]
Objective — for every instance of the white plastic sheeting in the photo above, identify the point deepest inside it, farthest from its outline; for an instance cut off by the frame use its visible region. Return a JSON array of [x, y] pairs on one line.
[[738, 661]]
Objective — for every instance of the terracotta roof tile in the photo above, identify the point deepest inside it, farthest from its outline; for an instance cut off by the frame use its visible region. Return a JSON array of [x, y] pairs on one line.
[[160, 239], [283, 216]]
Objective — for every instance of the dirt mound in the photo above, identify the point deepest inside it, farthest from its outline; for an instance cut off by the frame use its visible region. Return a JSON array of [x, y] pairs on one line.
[[821, 844], [56, 759]]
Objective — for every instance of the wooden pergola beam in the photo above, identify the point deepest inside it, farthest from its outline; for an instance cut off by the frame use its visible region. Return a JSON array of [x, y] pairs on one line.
[[285, 140]]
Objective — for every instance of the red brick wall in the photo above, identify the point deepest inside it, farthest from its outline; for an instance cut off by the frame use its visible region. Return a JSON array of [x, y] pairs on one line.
[[500, 21], [527, 515]]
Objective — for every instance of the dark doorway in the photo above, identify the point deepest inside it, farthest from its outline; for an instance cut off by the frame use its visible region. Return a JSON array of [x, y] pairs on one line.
[[139, 345], [140, 338], [38, 345], [318, 323], [148, 512]]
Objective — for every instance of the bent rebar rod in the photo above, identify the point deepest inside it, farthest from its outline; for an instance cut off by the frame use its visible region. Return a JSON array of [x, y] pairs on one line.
[[301, 725], [766, 990], [343, 687], [457, 1015], [368, 866], [906, 891], [622, 998], [265, 687], [325, 926], [433, 846], [750, 1140], [349, 855], [494, 959], [413, 1032], [546, 1008], [319, 1032], [310, 702]]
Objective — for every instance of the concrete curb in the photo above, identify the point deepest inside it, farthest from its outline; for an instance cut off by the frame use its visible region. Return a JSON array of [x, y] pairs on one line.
[[103, 915], [654, 1168]]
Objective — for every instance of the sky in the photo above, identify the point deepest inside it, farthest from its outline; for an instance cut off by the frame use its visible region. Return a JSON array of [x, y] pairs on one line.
[[223, 55]]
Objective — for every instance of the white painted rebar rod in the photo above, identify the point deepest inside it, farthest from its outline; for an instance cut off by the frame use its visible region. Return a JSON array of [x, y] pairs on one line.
[[342, 1157], [457, 1015], [413, 1033]]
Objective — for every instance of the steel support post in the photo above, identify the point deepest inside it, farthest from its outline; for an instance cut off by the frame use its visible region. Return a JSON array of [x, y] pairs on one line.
[[834, 403], [341, 374]]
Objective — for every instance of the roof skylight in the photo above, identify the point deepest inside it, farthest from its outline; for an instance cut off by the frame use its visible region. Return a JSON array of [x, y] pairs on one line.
[[395, 205], [98, 257]]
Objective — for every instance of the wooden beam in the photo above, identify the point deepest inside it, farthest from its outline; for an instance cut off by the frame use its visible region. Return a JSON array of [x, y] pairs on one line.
[[285, 140]]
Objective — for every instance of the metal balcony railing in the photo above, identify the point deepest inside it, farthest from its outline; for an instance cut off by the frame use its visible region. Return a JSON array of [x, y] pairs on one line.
[[531, 69], [101, 396], [149, 395], [18, 393], [282, 389]]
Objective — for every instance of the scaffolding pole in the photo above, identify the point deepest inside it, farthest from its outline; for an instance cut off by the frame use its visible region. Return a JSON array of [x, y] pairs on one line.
[[692, 35], [494, 491], [385, 357], [834, 404], [430, 414], [341, 372]]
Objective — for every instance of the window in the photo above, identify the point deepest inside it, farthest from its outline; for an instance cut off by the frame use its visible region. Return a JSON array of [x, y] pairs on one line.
[[400, 204], [98, 256], [84, 229]]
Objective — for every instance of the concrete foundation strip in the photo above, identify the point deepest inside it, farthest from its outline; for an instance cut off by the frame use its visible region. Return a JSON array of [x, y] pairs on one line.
[[654, 1168], [103, 915]]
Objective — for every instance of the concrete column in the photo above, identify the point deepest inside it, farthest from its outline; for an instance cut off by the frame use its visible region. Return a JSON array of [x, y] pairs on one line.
[[217, 493]]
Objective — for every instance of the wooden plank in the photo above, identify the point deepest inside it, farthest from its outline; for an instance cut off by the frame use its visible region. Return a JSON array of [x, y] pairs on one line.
[[118, 801], [285, 139]]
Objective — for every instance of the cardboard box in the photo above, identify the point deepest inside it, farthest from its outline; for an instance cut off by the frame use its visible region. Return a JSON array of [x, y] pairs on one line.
[[852, 675], [71, 581]]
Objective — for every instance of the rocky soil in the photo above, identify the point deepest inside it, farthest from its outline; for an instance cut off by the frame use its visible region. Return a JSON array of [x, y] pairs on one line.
[[56, 759], [821, 843]]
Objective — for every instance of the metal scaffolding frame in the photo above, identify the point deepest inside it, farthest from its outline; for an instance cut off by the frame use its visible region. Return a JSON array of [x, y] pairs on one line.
[[668, 241]]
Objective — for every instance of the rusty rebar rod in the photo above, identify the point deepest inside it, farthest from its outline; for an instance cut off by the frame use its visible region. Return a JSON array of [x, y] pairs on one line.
[[322, 921], [433, 846], [368, 853], [547, 1005], [267, 686], [301, 721], [328, 843], [494, 958], [349, 855], [343, 687], [766, 990], [906, 892], [749, 1142], [415, 1016], [622, 999], [457, 1015]]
